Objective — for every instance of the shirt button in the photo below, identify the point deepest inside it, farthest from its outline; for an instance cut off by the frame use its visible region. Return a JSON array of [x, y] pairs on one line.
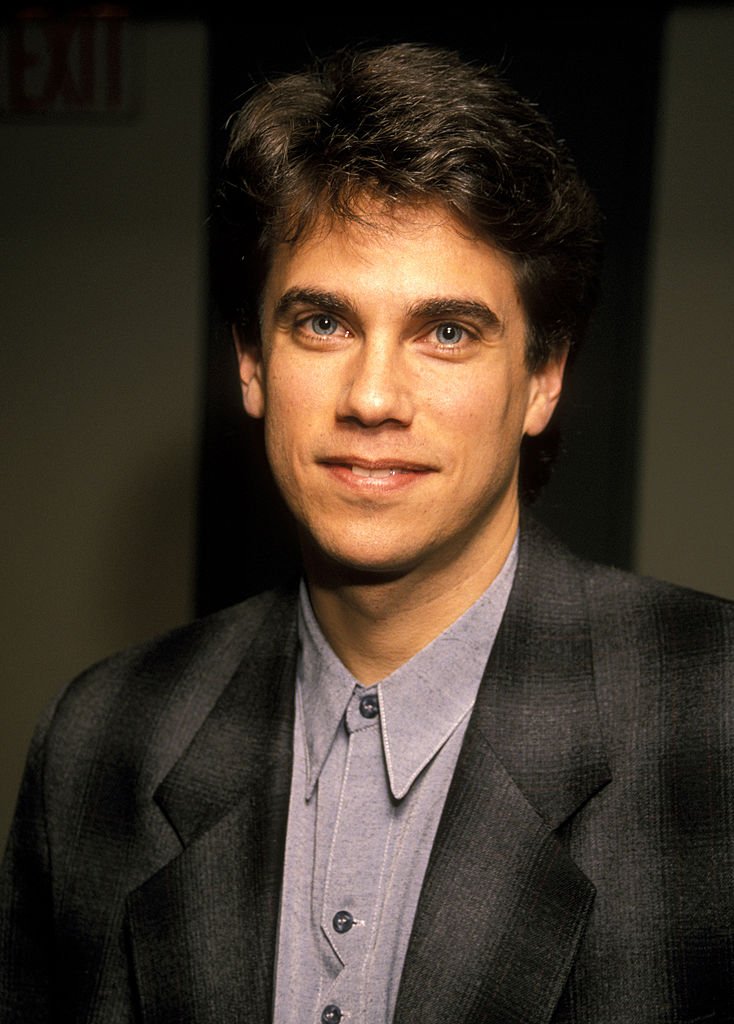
[[331, 1014], [368, 706], [342, 921]]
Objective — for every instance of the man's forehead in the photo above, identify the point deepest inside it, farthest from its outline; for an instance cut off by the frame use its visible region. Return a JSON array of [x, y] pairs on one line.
[[379, 232]]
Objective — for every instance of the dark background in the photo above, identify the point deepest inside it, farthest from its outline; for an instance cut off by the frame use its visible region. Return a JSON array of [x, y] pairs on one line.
[[595, 74]]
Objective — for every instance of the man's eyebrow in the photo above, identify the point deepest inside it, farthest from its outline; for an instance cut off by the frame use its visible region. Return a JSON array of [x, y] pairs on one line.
[[311, 297], [471, 309], [438, 308]]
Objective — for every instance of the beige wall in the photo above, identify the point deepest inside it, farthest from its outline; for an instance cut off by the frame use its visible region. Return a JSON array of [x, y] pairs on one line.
[[687, 480], [102, 310]]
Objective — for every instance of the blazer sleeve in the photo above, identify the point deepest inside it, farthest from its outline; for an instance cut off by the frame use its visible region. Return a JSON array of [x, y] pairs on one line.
[[26, 912]]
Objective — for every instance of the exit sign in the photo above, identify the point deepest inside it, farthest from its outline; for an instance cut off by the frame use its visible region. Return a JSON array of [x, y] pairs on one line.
[[56, 67]]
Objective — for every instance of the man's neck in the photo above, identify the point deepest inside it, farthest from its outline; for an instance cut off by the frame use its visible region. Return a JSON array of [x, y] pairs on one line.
[[375, 624]]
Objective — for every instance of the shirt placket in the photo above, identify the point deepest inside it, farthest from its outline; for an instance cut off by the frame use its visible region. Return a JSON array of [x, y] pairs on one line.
[[358, 858]]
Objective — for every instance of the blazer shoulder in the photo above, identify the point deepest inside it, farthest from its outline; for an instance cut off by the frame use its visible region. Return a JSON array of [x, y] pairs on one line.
[[220, 640], [648, 634], [626, 611], [162, 688], [656, 606], [607, 584]]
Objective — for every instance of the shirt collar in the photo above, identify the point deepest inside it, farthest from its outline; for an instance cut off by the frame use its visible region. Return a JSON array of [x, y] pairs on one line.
[[421, 703]]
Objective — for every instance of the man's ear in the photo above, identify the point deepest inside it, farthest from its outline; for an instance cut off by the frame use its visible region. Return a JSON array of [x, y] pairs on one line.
[[250, 361], [546, 384]]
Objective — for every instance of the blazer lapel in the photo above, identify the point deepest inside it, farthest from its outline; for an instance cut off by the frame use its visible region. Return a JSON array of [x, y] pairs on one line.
[[503, 906], [203, 928]]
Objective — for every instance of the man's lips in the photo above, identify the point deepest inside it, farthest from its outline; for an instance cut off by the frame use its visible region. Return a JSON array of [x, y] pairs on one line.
[[385, 472], [375, 468], [364, 471]]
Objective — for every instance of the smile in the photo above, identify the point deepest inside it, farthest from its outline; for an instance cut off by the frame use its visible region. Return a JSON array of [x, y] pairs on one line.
[[382, 472], [361, 466], [386, 475]]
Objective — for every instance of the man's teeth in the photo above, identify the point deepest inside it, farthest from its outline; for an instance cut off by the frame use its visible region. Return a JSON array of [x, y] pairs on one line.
[[363, 471]]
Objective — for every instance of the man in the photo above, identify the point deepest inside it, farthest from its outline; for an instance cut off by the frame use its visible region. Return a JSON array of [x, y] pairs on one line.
[[461, 775]]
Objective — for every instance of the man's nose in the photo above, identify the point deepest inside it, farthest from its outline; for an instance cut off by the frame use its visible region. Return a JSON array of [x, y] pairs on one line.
[[376, 387]]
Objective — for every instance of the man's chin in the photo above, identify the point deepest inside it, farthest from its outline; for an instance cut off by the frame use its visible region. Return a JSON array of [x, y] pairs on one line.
[[354, 564]]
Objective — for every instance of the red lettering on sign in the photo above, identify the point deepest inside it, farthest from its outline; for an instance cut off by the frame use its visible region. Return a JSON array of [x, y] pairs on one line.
[[68, 65]]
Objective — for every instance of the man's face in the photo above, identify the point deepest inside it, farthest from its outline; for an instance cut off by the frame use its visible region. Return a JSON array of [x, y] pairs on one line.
[[393, 383]]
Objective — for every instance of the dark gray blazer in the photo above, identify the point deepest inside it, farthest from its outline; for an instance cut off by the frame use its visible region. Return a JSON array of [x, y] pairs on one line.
[[583, 869]]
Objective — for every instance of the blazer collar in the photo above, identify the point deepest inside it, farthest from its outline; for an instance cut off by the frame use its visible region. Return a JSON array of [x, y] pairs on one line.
[[244, 745], [503, 906]]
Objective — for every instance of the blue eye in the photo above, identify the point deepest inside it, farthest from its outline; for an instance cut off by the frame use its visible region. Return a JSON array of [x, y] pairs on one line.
[[449, 334], [323, 324]]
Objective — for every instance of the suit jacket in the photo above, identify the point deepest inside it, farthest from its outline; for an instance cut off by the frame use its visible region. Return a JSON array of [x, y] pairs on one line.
[[582, 871]]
